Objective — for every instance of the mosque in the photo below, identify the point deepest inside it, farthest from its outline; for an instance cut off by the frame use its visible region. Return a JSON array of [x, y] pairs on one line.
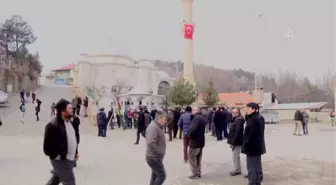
[[134, 82]]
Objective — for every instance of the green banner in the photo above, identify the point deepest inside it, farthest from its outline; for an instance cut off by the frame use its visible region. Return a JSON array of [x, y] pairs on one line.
[[90, 93]]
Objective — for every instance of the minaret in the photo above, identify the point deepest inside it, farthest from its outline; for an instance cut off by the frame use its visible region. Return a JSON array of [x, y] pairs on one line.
[[188, 31]]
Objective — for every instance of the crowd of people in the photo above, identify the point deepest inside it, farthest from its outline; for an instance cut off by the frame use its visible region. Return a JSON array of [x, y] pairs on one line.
[[243, 134], [24, 99]]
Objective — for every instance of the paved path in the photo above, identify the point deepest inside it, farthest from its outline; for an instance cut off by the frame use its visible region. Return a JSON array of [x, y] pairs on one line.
[[290, 160]]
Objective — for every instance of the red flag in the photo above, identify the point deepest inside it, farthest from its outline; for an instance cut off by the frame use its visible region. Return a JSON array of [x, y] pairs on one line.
[[188, 31]]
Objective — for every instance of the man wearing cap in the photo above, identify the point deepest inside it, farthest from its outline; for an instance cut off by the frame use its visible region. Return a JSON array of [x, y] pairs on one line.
[[61, 139]]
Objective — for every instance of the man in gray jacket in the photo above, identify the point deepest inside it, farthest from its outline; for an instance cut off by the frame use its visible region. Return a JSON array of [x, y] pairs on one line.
[[156, 148]]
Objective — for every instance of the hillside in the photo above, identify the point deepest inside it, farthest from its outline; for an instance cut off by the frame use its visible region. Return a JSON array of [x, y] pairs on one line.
[[286, 85]]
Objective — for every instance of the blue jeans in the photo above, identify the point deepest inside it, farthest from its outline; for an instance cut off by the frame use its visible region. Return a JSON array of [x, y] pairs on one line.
[[102, 130]]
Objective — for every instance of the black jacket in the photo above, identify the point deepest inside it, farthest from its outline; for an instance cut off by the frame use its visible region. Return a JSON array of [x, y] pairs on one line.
[[75, 123], [152, 113], [227, 117], [252, 140], [38, 107], [236, 131], [86, 102], [55, 139], [141, 120], [177, 116], [298, 116], [79, 101], [262, 128], [196, 131], [220, 118]]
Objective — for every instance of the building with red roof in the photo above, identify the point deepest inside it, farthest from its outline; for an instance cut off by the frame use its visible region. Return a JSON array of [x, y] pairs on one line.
[[237, 99], [66, 68], [63, 75]]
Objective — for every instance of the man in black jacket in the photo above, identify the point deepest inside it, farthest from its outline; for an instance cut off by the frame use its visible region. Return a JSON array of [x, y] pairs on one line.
[[61, 139], [298, 118], [37, 109], [177, 116], [252, 143], [219, 120], [86, 105], [141, 124], [79, 104], [235, 140], [226, 121], [197, 142]]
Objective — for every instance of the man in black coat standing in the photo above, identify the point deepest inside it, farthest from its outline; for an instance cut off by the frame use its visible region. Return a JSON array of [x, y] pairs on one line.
[[235, 140], [226, 122], [177, 116], [79, 104], [219, 120], [252, 144], [197, 142]]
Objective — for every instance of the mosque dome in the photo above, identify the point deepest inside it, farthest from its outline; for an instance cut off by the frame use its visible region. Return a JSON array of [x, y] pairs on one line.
[[146, 64]]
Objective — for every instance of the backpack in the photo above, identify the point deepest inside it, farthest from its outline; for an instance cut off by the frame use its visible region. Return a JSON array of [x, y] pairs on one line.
[[148, 119]]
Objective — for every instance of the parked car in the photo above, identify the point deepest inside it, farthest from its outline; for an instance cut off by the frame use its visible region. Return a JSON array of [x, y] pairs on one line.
[[3, 97]]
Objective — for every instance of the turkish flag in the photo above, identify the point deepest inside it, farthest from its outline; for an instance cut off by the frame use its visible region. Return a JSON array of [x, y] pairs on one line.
[[188, 31]]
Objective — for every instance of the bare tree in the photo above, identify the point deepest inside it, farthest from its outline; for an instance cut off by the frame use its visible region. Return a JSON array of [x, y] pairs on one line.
[[118, 88], [286, 85]]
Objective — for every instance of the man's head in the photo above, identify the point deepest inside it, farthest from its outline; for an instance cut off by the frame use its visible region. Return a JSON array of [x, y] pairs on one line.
[[64, 109], [188, 109], [235, 112], [252, 108], [161, 117], [196, 110]]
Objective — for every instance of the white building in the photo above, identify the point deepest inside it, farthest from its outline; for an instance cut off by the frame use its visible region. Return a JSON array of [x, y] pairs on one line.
[[134, 81]]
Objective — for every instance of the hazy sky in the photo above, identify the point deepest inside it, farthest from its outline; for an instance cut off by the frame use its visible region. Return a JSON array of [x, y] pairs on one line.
[[228, 32]]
